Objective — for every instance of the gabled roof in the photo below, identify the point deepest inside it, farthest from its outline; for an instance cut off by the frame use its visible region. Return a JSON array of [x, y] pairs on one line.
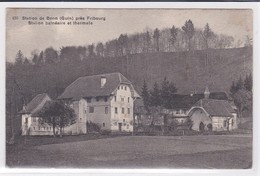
[[35, 103], [187, 101], [213, 107], [90, 86]]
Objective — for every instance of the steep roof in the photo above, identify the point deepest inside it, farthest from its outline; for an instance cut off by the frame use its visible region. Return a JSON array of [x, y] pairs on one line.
[[213, 107], [34, 104], [90, 86]]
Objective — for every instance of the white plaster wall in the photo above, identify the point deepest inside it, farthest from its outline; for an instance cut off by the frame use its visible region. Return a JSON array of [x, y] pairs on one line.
[[119, 117]]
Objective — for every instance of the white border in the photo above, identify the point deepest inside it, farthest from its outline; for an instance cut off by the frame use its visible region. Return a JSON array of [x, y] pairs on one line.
[[226, 5]]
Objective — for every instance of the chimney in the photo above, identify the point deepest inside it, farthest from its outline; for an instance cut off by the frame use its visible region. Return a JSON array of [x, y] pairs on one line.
[[103, 81], [206, 93], [24, 108]]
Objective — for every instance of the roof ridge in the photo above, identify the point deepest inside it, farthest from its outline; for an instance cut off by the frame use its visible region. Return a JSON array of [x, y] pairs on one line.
[[100, 74]]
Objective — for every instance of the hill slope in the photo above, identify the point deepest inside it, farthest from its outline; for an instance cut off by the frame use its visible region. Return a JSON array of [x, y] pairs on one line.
[[190, 71]]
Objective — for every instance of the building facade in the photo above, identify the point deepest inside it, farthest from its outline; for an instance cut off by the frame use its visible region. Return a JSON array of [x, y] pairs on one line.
[[106, 100], [213, 115]]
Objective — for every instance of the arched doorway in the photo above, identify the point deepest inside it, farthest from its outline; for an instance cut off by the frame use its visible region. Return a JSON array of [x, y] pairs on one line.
[[201, 127]]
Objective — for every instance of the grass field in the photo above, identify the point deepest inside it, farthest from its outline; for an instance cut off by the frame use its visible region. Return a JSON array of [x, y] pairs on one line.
[[212, 151]]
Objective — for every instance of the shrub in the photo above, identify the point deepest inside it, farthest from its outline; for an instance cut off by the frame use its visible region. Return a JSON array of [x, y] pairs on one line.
[[93, 127], [105, 132]]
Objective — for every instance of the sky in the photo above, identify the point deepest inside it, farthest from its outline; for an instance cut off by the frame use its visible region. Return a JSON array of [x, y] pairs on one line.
[[27, 38]]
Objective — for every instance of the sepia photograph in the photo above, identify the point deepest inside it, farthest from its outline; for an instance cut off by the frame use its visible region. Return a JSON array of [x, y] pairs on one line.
[[118, 88]]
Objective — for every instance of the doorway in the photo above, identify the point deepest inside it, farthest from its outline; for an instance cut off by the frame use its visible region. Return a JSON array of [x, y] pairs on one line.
[[120, 126]]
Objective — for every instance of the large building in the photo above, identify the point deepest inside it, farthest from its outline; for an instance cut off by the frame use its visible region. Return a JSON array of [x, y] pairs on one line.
[[106, 100]]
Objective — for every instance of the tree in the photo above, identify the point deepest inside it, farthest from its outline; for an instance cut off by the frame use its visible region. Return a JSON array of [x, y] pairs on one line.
[[243, 101], [50, 55], [239, 84], [19, 59], [168, 92], [207, 34], [100, 49], [155, 99], [26, 61], [248, 41], [91, 52], [174, 32], [147, 41], [165, 93], [145, 95], [233, 88], [123, 44], [156, 36], [57, 114], [189, 31], [248, 83]]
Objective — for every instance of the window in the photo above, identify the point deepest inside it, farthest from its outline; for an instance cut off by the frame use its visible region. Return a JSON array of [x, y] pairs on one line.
[[128, 99], [50, 128], [123, 120], [115, 98], [89, 100], [116, 110], [123, 110], [104, 124], [128, 110], [232, 122], [105, 99], [125, 88], [224, 123], [106, 110], [26, 120], [122, 99], [97, 98], [118, 87], [91, 109]]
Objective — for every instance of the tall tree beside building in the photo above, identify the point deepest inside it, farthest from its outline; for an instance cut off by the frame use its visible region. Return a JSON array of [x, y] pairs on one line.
[[168, 91], [189, 31], [156, 36], [145, 95], [155, 99], [57, 114]]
